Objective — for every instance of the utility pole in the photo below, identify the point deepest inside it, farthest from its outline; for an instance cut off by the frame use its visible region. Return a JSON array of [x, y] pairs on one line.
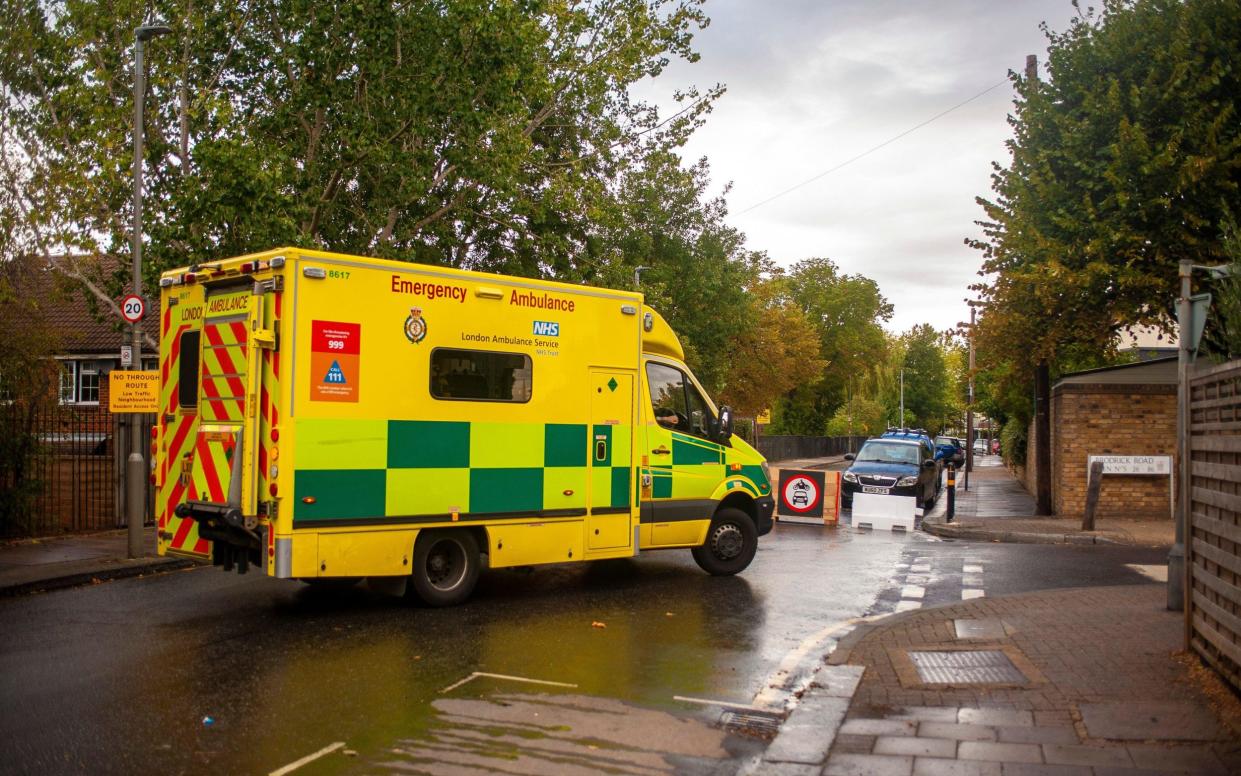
[[1042, 383], [135, 474], [969, 405]]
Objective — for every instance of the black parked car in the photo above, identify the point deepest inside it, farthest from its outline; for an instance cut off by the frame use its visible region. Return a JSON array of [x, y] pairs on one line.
[[895, 467]]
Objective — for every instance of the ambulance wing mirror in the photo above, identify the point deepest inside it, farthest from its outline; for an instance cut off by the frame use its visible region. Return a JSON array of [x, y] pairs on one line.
[[724, 427]]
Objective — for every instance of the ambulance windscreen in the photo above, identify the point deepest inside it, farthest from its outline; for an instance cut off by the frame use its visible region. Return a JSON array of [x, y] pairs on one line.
[[479, 375]]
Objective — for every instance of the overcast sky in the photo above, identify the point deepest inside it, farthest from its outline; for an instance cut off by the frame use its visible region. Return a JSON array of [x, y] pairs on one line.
[[812, 83]]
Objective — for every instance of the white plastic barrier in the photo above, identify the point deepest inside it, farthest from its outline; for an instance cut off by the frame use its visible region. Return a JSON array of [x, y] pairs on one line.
[[884, 513]]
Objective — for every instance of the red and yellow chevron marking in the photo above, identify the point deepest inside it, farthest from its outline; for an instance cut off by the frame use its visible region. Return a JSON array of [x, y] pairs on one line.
[[213, 464], [223, 371], [177, 427]]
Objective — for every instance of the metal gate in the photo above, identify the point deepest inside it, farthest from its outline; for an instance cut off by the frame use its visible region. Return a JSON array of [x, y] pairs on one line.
[[1213, 529], [61, 469]]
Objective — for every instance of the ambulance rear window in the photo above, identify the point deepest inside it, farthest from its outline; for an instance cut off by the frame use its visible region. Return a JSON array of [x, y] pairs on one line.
[[480, 375], [187, 370]]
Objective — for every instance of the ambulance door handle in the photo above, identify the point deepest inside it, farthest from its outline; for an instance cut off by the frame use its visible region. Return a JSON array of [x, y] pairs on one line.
[[661, 450], [601, 450]]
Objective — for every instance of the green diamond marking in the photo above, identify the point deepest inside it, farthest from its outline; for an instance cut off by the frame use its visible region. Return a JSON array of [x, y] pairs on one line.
[[612, 384]]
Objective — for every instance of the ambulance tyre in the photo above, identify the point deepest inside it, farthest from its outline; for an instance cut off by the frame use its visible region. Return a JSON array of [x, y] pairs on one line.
[[731, 543], [446, 566]]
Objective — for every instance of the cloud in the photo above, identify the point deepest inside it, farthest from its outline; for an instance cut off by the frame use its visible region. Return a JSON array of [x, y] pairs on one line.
[[814, 83]]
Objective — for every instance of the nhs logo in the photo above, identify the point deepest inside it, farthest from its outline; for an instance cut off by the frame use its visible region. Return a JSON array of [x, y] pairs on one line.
[[546, 329]]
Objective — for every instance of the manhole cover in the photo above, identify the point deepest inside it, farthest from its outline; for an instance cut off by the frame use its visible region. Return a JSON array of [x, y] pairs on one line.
[[985, 666], [764, 726]]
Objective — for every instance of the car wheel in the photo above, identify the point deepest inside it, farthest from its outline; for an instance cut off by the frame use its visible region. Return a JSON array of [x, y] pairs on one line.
[[446, 567], [731, 543]]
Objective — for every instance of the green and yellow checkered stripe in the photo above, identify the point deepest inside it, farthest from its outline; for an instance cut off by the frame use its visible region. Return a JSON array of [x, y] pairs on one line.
[[700, 466], [358, 469]]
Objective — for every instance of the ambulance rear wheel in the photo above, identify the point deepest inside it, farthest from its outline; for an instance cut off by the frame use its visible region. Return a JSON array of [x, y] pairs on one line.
[[731, 543], [446, 566]]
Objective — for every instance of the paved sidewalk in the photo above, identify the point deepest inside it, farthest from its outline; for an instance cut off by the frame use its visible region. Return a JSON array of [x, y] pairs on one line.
[[998, 508], [1096, 685], [34, 565]]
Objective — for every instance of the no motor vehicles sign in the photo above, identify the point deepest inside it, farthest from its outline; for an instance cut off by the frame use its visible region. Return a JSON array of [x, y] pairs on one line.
[[801, 493]]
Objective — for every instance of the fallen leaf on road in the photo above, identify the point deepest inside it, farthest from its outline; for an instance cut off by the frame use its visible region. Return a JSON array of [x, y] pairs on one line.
[[597, 624]]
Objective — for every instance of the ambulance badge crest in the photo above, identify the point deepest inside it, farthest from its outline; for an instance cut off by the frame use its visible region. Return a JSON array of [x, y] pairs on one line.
[[415, 326]]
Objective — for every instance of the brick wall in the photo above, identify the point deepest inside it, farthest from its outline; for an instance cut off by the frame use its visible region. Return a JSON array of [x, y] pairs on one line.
[[1098, 419]]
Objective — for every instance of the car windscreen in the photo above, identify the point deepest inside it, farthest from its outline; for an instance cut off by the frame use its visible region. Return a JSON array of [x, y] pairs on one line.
[[948, 441], [888, 452]]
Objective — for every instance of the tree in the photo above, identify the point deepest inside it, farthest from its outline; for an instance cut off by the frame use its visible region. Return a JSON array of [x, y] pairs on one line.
[[1122, 165], [486, 135], [859, 416], [778, 352], [848, 312], [926, 377]]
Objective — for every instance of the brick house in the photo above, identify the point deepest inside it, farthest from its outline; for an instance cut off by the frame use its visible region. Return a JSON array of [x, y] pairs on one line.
[[1119, 410], [88, 348], [79, 461]]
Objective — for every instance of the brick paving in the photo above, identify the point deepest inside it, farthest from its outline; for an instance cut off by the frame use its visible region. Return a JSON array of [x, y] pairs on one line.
[[1104, 694]]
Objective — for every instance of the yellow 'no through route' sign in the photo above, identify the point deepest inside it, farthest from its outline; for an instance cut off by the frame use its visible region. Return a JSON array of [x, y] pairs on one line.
[[133, 391]]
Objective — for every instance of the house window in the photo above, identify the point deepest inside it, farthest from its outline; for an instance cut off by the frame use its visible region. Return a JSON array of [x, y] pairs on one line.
[[68, 382], [79, 382], [88, 382]]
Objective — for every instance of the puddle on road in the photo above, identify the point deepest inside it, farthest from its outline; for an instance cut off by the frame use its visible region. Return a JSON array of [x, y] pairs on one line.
[[557, 734]]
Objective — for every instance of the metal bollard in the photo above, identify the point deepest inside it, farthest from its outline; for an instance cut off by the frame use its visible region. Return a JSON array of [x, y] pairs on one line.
[[952, 493]]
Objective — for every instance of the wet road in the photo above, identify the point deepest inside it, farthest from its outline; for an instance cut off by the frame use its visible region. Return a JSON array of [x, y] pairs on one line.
[[118, 677]]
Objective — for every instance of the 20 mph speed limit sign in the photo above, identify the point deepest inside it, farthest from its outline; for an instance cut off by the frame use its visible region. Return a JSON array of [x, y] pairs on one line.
[[133, 308]]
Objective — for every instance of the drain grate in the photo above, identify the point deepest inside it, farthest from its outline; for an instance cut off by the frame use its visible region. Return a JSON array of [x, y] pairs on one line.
[[986, 666], [764, 726]]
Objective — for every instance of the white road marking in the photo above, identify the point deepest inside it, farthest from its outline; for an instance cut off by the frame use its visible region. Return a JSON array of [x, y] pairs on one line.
[[921, 568], [913, 591], [968, 593], [505, 677], [1159, 573], [307, 759], [723, 704], [971, 568], [971, 580], [905, 606], [775, 696]]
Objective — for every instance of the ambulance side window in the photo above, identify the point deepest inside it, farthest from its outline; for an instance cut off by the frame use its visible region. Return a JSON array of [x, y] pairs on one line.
[[480, 375], [677, 404], [187, 370]]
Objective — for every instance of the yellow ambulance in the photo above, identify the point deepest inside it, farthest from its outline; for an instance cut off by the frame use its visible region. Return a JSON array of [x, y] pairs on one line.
[[332, 417]]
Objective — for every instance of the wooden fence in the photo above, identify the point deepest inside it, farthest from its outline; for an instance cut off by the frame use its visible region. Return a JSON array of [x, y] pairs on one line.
[[1213, 533]]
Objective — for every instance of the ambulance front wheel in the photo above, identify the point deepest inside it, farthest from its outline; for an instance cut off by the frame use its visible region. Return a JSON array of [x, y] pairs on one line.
[[731, 543], [446, 566]]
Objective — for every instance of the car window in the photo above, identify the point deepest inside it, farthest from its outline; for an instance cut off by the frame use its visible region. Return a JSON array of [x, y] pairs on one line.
[[889, 452]]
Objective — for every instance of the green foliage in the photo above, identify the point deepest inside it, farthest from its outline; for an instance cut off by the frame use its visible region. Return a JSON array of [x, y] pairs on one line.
[[29, 385], [1223, 338], [1014, 437], [859, 416], [486, 135], [1123, 164], [848, 312], [926, 378]]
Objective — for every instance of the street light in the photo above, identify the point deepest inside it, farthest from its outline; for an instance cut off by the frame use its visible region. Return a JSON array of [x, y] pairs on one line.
[[135, 476]]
